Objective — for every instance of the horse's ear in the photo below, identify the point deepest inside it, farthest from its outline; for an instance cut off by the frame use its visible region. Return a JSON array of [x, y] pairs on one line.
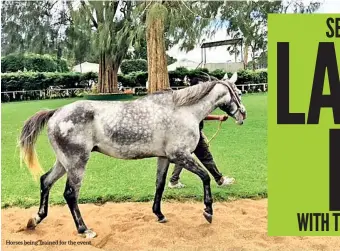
[[233, 78], [225, 77]]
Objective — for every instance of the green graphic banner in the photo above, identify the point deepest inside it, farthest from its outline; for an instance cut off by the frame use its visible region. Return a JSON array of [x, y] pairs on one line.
[[304, 125]]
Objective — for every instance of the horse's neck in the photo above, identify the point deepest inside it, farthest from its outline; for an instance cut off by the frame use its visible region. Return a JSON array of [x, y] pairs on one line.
[[209, 103]]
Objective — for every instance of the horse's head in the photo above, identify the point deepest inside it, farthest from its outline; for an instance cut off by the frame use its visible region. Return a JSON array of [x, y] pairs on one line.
[[231, 103]]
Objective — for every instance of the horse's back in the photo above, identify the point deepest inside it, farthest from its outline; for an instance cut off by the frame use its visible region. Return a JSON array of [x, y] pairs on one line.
[[75, 113], [132, 129]]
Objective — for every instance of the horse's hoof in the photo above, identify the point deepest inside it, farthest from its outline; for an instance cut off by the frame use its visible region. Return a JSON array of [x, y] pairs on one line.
[[31, 224], [163, 220], [88, 234], [207, 216]]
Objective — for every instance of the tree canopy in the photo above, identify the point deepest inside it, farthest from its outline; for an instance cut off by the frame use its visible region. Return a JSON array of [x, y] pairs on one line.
[[248, 20], [33, 26], [103, 31]]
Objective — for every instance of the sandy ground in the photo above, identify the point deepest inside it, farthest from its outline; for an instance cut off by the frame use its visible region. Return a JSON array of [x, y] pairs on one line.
[[237, 225]]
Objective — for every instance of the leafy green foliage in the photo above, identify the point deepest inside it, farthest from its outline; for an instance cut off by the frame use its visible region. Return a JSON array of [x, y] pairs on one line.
[[114, 28], [33, 26], [79, 42], [140, 51], [32, 62], [177, 77], [299, 6], [133, 65], [133, 79], [180, 72], [218, 73], [243, 76], [184, 26], [248, 20], [41, 81], [260, 62]]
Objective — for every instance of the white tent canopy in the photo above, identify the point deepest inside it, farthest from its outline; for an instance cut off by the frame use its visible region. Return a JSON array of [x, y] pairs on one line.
[[190, 65], [92, 67], [87, 67]]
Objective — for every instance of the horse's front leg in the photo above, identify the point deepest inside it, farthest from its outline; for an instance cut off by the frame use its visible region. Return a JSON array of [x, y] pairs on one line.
[[188, 162], [162, 170]]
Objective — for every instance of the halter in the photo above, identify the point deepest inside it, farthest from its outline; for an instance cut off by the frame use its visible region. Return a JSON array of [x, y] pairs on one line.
[[240, 107]]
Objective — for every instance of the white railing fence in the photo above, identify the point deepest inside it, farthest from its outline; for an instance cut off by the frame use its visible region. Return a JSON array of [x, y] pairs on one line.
[[9, 96], [250, 88]]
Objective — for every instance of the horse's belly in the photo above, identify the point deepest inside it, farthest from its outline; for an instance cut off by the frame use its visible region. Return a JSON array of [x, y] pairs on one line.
[[133, 151], [127, 140]]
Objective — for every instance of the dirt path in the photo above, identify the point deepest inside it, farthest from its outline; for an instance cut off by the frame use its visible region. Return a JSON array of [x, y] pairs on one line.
[[238, 225]]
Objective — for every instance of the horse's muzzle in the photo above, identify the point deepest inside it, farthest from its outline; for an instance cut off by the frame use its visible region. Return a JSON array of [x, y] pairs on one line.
[[241, 116]]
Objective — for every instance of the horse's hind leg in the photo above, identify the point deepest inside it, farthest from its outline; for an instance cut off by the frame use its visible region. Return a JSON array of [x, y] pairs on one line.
[[188, 162], [46, 182], [74, 178], [162, 170]]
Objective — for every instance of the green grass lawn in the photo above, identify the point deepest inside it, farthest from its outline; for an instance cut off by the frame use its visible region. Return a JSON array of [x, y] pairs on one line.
[[239, 151]]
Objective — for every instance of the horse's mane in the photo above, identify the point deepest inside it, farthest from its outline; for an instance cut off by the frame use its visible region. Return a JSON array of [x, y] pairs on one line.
[[186, 96], [191, 95]]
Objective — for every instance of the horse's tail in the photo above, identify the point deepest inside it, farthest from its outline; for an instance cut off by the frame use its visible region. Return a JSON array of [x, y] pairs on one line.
[[29, 134]]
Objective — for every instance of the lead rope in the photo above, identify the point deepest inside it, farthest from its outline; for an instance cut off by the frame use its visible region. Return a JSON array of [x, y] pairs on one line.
[[218, 129]]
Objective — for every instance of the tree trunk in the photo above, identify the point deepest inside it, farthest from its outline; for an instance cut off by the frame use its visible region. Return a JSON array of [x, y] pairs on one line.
[[101, 75], [253, 58], [115, 79], [158, 77], [107, 76], [245, 59]]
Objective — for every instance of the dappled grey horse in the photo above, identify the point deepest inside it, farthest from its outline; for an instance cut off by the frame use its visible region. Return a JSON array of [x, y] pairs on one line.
[[163, 125]]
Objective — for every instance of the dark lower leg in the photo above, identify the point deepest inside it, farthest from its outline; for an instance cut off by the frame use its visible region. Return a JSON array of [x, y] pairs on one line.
[[207, 196], [212, 168], [71, 196], [162, 170], [189, 163], [44, 194], [175, 174], [207, 191], [46, 182]]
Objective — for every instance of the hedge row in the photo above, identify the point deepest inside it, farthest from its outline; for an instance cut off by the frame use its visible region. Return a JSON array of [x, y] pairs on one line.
[[177, 77], [32, 63], [133, 65], [41, 81]]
